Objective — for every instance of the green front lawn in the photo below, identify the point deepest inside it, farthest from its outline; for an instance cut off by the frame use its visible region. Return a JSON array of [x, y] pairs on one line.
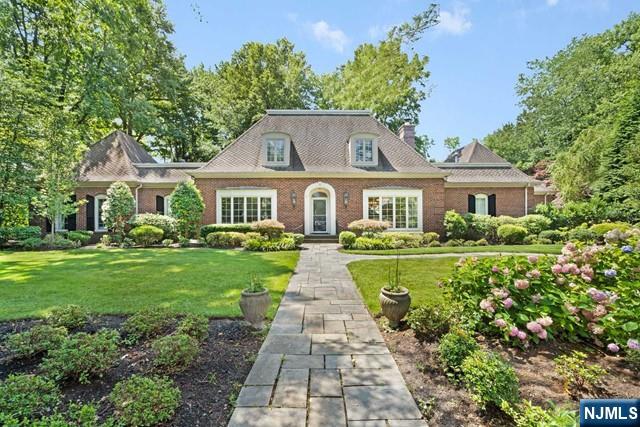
[[115, 281], [534, 249], [420, 276]]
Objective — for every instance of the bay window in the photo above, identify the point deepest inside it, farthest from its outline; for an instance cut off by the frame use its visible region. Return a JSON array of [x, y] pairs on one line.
[[242, 206], [400, 208]]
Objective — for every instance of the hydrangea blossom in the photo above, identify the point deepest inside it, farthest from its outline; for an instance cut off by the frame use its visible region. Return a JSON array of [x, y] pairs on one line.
[[487, 305], [522, 335], [545, 321], [633, 344], [542, 334], [613, 348], [556, 269], [500, 293], [533, 259], [536, 298], [500, 323], [535, 274], [610, 273], [514, 331], [534, 327], [597, 295], [600, 310], [522, 284], [508, 303], [627, 249]]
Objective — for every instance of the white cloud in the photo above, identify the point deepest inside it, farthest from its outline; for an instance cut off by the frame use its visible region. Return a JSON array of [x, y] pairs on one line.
[[455, 22], [552, 2], [334, 38]]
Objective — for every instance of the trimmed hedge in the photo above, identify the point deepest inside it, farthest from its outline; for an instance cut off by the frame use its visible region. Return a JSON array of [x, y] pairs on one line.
[[226, 239], [367, 226], [146, 235], [167, 224], [512, 234], [205, 230], [19, 233]]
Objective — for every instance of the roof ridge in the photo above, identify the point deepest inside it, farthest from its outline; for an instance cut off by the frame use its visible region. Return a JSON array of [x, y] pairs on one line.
[[317, 112]]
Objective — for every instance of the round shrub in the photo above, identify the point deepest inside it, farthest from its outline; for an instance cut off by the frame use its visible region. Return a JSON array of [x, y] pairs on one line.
[[429, 237], [146, 235], [544, 241], [453, 242], [70, 316], [80, 236], [167, 242], [268, 227], [581, 234], [347, 239], [454, 347], [82, 356], [141, 401], [37, 340], [454, 225], [429, 322], [530, 240], [554, 235], [405, 240], [490, 379], [367, 226], [59, 242], [470, 243], [297, 238], [174, 353], [434, 244], [534, 223], [482, 226], [603, 228], [482, 242], [147, 323], [512, 234], [167, 224], [226, 239], [194, 325], [31, 244], [28, 396]]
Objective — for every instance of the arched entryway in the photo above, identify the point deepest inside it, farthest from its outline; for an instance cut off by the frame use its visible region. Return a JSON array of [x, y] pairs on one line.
[[320, 209]]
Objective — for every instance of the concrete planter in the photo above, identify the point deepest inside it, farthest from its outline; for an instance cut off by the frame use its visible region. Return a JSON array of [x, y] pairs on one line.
[[394, 305], [254, 306]]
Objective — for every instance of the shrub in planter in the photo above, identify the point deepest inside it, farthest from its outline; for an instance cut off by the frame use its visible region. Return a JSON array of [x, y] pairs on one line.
[[28, 396], [490, 379], [512, 234], [534, 223], [194, 325], [31, 244], [268, 227], [146, 235], [367, 226], [581, 234], [554, 236], [19, 233], [454, 225], [205, 230], [226, 239], [39, 339], [603, 228], [167, 224], [70, 316], [141, 401], [347, 239], [82, 356], [80, 236], [429, 237], [453, 348], [147, 323], [174, 353], [430, 321]]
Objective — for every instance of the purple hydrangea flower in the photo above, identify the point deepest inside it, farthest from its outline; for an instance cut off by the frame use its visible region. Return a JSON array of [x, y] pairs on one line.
[[633, 344], [613, 348], [627, 249], [610, 273]]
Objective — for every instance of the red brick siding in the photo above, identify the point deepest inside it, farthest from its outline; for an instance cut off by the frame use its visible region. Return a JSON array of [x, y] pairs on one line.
[[509, 201], [293, 217]]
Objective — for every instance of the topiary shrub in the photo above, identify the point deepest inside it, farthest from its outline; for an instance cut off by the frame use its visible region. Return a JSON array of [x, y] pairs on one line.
[[490, 379], [429, 237], [187, 208], [512, 234], [118, 208], [174, 353], [453, 348], [39, 339], [167, 224], [147, 323], [28, 397], [603, 228], [347, 239], [454, 225], [31, 244], [146, 235], [367, 226], [430, 322], [195, 326], [268, 227], [205, 230], [534, 223], [554, 236], [70, 316], [80, 236], [83, 356], [226, 239], [140, 401]]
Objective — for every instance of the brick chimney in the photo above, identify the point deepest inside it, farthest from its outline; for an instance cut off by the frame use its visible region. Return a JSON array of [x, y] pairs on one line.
[[407, 133]]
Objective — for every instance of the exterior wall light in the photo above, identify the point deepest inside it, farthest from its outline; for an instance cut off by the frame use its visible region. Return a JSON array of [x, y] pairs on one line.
[[294, 198], [345, 198]]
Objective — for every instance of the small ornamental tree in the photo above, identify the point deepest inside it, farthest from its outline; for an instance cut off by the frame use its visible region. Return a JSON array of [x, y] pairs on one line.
[[118, 208], [187, 207]]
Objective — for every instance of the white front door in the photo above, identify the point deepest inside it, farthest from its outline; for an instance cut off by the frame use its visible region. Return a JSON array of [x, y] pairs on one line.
[[320, 214]]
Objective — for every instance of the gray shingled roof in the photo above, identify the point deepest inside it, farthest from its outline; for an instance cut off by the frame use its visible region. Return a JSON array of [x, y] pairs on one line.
[[484, 174], [474, 153], [319, 143], [119, 157]]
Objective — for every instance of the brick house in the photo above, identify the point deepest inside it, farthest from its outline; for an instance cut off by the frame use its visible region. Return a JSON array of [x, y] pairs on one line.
[[315, 171]]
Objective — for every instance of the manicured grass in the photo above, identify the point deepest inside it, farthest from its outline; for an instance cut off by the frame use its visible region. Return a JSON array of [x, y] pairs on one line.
[[420, 276], [115, 281], [536, 249]]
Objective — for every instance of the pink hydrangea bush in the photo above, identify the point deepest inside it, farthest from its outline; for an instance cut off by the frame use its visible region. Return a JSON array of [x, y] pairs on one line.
[[587, 292]]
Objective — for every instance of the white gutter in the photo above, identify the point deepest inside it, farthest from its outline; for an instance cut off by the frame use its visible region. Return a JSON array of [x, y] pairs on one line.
[[526, 199]]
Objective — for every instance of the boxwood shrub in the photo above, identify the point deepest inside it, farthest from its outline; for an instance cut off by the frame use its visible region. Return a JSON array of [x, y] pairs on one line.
[[146, 235], [167, 224], [490, 379], [226, 239], [512, 234], [347, 239], [603, 228], [80, 236], [453, 348]]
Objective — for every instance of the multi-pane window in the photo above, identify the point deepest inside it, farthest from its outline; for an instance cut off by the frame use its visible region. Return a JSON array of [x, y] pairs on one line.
[[244, 209], [364, 150], [99, 225], [482, 204], [275, 150], [400, 211]]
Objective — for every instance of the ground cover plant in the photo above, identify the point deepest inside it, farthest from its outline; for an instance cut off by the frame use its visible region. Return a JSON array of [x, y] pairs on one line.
[[123, 281]]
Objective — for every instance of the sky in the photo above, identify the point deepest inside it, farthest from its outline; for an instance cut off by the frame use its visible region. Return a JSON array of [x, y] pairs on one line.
[[475, 54]]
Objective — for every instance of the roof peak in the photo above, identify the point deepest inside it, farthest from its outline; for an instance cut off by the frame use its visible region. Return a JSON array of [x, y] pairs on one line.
[[319, 112]]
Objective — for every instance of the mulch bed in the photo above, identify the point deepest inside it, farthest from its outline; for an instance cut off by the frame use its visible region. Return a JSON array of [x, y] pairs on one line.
[[208, 386], [449, 405]]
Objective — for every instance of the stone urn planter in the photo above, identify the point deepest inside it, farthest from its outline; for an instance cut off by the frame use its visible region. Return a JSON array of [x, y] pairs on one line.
[[394, 305], [254, 306]]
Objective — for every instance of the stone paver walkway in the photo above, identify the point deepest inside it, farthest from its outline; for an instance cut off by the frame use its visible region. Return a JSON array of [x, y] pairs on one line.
[[324, 362]]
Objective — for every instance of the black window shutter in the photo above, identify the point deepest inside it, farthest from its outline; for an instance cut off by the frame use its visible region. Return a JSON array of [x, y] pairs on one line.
[[160, 205], [492, 205], [70, 221], [471, 205], [90, 208], [47, 225]]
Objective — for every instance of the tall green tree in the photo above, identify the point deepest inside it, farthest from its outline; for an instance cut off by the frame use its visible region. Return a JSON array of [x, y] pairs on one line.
[[452, 143]]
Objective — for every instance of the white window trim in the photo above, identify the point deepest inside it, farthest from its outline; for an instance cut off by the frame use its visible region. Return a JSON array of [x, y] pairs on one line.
[[392, 193], [287, 148], [308, 208], [352, 149], [97, 213], [486, 203], [242, 192], [167, 204]]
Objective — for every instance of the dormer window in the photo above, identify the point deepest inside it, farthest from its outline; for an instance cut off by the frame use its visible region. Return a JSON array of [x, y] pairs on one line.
[[364, 150], [276, 148]]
